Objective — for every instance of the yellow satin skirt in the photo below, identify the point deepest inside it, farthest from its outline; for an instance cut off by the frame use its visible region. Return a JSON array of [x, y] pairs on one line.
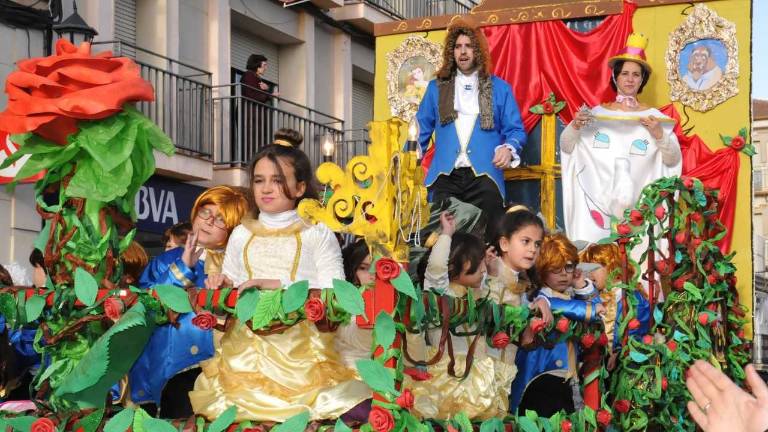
[[272, 378], [482, 395]]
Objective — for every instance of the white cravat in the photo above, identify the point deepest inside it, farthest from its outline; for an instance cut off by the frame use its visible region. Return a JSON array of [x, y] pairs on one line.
[[466, 103]]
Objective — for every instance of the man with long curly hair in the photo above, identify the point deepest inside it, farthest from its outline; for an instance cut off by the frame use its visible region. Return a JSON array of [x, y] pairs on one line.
[[476, 122]]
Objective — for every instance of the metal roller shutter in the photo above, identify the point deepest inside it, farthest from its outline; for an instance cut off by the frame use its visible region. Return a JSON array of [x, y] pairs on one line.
[[125, 25], [362, 104], [244, 44]]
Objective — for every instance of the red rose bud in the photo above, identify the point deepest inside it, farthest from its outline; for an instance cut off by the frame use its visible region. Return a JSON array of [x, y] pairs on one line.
[[500, 340], [663, 194], [696, 217], [204, 320], [417, 374], [588, 340], [314, 309], [664, 383], [405, 400], [387, 269], [737, 143], [660, 212], [679, 284], [381, 419], [622, 406], [688, 182], [740, 334], [537, 325], [661, 267], [634, 324], [604, 417], [647, 340], [603, 341], [672, 345], [712, 278], [708, 266], [547, 107], [712, 307], [696, 242], [680, 237], [43, 425], [565, 426], [113, 308], [703, 318], [636, 218], [563, 325], [623, 229]]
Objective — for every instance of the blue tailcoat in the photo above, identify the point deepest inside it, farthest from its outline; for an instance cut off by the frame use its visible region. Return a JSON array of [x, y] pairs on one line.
[[170, 350], [531, 364], [508, 129]]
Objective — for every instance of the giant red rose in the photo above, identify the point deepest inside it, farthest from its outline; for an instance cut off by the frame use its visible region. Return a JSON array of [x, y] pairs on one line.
[[387, 269], [381, 419], [48, 95]]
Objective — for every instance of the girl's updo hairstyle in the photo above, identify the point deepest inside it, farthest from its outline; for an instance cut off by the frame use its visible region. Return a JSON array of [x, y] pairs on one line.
[[285, 146]]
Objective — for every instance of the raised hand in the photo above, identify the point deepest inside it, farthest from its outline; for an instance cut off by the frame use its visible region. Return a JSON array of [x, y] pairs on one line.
[[191, 254]]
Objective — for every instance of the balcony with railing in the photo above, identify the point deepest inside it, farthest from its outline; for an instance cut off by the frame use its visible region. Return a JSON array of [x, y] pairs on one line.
[[365, 13], [182, 106], [251, 125]]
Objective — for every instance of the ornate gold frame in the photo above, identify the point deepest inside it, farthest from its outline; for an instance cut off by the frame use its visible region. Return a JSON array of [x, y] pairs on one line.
[[412, 46], [703, 23]]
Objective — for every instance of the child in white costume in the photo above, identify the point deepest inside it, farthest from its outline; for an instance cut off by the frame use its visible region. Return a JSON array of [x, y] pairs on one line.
[[275, 376]]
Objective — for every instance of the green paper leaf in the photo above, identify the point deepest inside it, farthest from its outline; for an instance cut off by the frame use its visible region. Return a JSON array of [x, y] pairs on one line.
[[295, 296], [692, 290], [152, 424], [658, 315], [492, 425], [404, 284], [174, 298], [384, 330], [463, 421], [21, 424], [527, 425], [120, 422], [86, 287], [294, 424], [42, 239], [8, 309], [108, 141], [223, 420], [93, 182], [267, 308], [638, 357], [349, 297], [34, 307], [246, 304], [377, 377], [90, 422], [341, 427]]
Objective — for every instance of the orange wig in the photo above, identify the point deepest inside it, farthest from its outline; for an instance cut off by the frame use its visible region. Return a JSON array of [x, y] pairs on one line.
[[556, 251], [232, 204]]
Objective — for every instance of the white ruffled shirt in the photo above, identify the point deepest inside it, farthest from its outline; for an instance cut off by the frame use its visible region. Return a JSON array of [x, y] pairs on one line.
[[272, 257]]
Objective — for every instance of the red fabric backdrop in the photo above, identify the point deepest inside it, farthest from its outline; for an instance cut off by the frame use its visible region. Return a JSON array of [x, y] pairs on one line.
[[543, 57]]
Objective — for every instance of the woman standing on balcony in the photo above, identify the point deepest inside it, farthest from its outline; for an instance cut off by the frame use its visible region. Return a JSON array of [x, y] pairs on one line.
[[258, 93]]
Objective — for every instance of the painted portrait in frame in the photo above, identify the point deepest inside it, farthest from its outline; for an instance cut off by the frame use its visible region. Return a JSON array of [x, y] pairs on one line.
[[410, 67], [702, 60]]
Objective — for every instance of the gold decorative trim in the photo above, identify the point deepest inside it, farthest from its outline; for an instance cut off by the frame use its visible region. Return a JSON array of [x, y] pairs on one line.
[[296, 257], [414, 53], [708, 84], [176, 271]]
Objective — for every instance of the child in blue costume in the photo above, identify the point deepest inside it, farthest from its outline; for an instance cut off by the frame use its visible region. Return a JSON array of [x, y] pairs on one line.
[[546, 376], [18, 354], [174, 349]]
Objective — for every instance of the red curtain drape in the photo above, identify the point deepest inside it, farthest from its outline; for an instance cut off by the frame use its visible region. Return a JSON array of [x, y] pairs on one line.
[[543, 57], [717, 170]]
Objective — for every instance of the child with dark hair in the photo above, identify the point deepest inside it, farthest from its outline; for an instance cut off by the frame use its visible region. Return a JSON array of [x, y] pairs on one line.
[[176, 235], [39, 275], [272, 377], [547, 377]]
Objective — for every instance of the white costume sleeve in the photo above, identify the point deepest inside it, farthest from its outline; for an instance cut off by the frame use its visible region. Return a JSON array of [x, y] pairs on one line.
[[327, 254], [233, 266], [436, 276], [670, 149], [568, 138]]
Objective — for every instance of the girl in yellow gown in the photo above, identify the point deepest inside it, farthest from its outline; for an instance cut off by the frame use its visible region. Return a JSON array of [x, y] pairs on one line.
[[276, 376]]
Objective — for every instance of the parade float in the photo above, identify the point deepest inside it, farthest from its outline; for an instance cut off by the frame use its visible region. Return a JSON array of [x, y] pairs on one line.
[[70, 116]]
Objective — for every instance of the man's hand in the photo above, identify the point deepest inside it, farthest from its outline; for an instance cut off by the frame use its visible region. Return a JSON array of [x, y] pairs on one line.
[[502, 157]]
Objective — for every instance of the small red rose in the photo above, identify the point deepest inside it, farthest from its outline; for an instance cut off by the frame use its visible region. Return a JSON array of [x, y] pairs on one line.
[[660, 212], [43, 425], [664, 383], [634, 324], [623, 229], [204, 320], [679, 283], [712, 278], [622, 406], [565, 426], [703, 318], [696, 242], [680, 237], [563, 325], [387, 269], [688, 182], [500, 340], [406, 399], [381, 419], [547, 107], [417, 374], [603, 341], [113, 308], [604, 417], [740, 334], [738, 142], [672, 345], [696, 217], [636, 218], [588, 340], [662, 267], [314, 309], [647, 340], [537, 325]]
